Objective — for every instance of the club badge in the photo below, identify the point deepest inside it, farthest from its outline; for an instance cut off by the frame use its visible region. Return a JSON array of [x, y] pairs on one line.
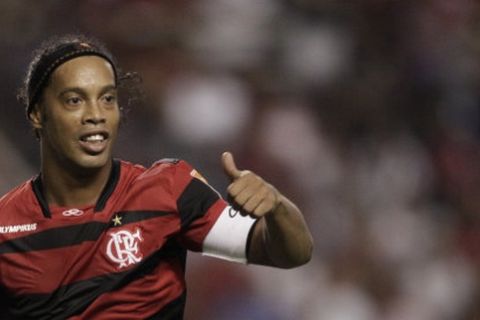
[[123, 247]]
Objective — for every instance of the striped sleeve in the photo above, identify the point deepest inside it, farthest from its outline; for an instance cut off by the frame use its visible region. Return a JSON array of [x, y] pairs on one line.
[[208, 223]]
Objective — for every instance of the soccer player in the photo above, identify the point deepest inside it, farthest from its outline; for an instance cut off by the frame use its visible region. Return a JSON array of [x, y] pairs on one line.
[[94, 237]]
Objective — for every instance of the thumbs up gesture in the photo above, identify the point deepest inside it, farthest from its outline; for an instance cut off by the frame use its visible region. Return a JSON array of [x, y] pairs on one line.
[[248, 191]]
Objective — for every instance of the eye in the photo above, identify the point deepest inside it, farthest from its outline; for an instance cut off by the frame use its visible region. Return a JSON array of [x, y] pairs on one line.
[[75, 100], [109, 98]]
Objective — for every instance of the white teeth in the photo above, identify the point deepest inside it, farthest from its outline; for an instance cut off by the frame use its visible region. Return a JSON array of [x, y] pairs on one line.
[[94, 138]]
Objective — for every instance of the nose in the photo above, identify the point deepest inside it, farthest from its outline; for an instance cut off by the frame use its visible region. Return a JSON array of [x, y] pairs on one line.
[[94, 114]]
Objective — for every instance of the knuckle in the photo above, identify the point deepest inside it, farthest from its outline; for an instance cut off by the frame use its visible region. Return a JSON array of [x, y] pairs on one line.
[[248, 208], [258, 212], [231, 192], [246, 173]]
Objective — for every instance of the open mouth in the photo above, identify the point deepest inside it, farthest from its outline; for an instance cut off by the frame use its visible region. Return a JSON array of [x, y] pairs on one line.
[[94, 143], [94, 138]]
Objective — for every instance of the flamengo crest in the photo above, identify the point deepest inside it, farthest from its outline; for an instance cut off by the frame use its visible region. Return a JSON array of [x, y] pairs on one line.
[[122, 248]]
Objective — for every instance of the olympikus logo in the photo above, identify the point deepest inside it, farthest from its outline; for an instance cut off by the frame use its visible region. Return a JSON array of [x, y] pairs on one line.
[[72, 212], [18, 228]]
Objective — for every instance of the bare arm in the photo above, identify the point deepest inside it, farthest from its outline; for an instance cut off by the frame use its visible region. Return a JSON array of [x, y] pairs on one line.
[[280, 237]]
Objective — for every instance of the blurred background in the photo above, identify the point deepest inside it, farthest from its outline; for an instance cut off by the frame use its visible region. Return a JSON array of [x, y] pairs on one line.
[[365, 113]]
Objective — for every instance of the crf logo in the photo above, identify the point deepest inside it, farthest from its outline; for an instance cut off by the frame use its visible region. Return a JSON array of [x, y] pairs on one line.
[[122, 248]]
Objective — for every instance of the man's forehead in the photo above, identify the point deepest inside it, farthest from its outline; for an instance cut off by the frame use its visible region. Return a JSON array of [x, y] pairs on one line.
[[85, 69]]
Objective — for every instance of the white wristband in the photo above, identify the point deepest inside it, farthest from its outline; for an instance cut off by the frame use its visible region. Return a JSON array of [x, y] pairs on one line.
[[228, 237]]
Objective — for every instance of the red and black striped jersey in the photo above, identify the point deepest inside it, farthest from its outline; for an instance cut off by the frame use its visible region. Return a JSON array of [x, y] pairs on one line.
[[122, 258]]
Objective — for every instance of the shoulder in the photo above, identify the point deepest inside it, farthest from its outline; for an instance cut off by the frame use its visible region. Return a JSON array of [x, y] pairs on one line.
[[165, 168], [167, 173], [157, 186], [17, 193], [20, 196]]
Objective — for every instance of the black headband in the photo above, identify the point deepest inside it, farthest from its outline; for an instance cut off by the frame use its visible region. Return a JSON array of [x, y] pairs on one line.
[[51, 61]]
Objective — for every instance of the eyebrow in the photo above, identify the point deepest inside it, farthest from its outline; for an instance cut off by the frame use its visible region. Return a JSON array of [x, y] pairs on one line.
[[82, 91]]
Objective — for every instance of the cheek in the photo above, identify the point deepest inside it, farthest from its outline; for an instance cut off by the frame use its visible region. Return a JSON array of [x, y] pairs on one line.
[[115, 120], [62, 125], [58, 128]]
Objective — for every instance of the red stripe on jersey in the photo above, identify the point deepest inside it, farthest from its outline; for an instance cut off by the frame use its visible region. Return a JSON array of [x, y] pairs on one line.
[[143, 297], [25, 273]]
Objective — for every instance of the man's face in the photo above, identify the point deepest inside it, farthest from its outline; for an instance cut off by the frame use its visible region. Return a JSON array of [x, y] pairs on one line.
[[78, 116]]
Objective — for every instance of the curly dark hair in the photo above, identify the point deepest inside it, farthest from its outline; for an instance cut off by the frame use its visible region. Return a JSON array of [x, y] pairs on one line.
[[59, 49]]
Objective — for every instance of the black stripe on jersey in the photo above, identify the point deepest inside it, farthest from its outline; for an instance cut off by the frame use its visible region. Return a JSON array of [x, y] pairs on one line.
[[195, 200], [73, 299], [54, 238], [73, 234], [127, 217], [109, 187], [107, 191], [42, 200], [172, 311]]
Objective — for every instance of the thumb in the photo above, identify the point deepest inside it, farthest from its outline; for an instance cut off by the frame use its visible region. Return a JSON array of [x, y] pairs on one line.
[[229, 166]]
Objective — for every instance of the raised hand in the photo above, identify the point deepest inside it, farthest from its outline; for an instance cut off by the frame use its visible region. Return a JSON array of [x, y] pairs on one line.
[[248, 191]]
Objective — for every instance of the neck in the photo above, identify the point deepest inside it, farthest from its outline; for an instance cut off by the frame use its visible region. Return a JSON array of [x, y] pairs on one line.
[[74, 188]]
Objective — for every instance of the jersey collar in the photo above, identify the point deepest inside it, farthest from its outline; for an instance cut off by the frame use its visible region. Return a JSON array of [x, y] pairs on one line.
[[107, 191]]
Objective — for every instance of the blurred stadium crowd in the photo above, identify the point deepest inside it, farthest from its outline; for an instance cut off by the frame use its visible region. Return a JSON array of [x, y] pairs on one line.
[[365, 113]]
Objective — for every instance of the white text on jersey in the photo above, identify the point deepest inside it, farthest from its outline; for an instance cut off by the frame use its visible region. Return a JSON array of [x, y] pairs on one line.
[[18, 228]]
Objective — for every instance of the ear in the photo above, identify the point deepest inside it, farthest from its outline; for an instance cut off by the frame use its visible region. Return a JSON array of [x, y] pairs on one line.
[[36, 117]]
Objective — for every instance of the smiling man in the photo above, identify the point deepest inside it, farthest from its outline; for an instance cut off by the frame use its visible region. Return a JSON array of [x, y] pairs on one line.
[[77, 118], [93, 237]]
